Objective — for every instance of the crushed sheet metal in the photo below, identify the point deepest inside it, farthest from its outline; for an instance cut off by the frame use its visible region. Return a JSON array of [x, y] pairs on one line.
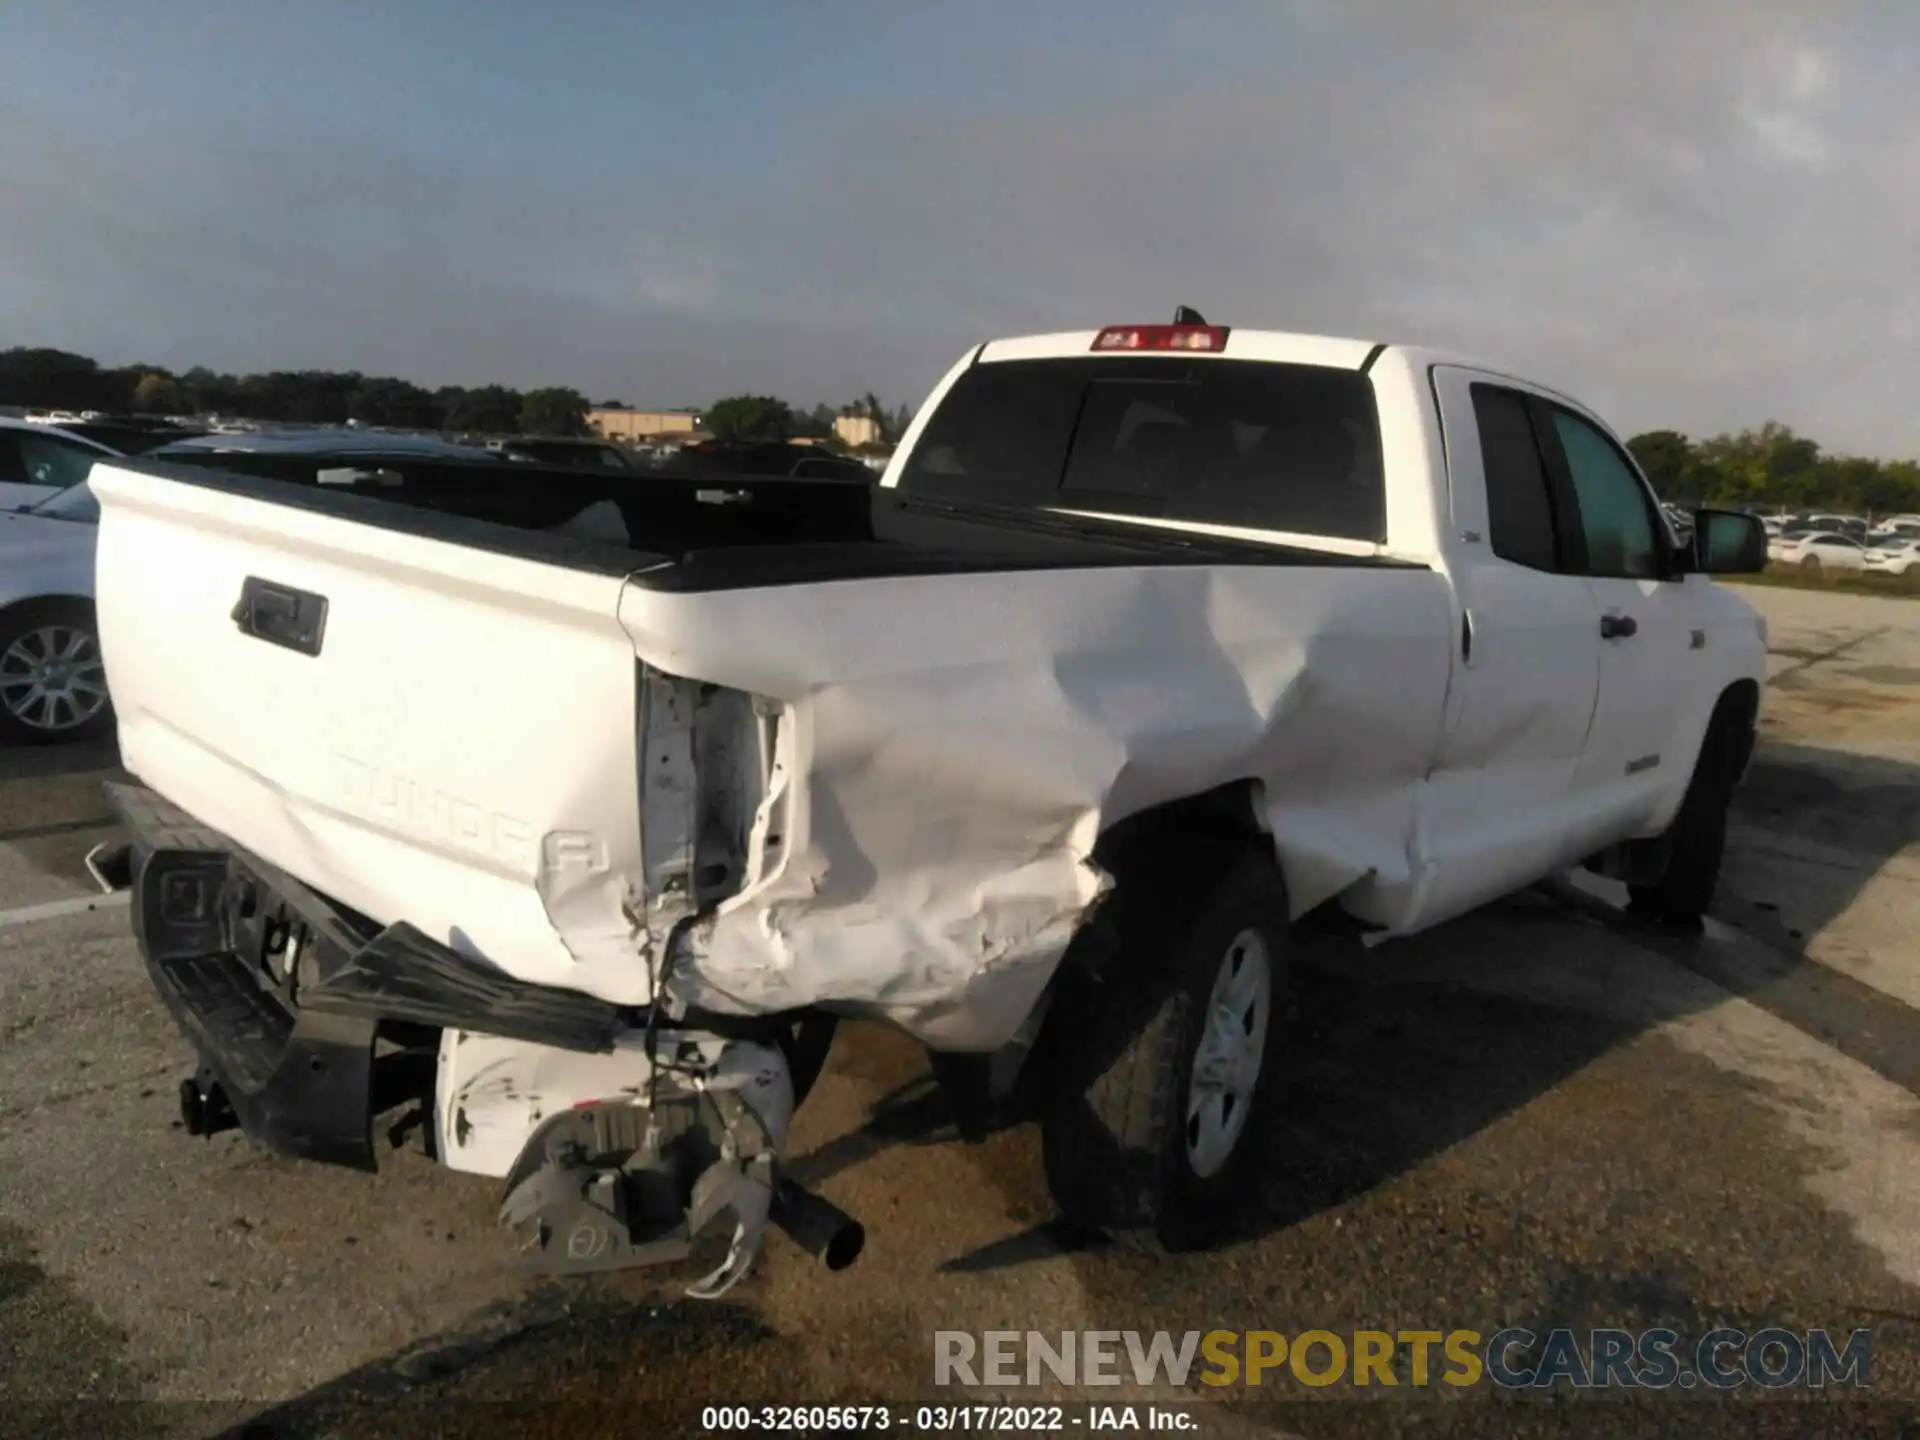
[[960, 747]]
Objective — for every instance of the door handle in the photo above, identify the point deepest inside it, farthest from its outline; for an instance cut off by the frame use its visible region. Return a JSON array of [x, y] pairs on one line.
[[280, 615], [1618, 627]]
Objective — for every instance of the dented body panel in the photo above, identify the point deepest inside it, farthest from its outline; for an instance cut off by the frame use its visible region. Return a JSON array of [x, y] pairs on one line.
[[963, 753], [724, 773]]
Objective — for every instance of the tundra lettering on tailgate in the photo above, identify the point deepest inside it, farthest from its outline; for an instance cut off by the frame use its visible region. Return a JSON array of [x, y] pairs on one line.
[[399, 802]]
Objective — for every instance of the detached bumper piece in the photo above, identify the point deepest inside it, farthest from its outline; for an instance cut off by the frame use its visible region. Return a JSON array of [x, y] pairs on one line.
[[282, 993], [615, 1184]]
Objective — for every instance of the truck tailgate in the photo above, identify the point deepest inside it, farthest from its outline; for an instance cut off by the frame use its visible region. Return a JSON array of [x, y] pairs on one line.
[[420, 729]]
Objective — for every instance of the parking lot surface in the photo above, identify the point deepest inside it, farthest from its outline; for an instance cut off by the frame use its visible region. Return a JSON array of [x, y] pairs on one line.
[[1537, 1116]]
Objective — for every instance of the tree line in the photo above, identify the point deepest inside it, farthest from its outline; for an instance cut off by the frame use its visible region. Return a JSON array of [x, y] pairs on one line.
[[1774, 466], [1771, 465], [766, 417], [47, 379]]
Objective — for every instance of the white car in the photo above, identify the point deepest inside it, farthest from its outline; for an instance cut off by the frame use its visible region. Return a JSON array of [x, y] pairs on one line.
[[1151, 641], [53, 684], [39, 461], [1895, 555], [1821, 550]]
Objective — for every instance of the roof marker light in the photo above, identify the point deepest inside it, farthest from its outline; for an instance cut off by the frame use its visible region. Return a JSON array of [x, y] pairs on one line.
[[1132, 338]]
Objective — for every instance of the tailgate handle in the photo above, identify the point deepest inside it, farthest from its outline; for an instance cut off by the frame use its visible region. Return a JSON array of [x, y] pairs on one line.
[[280, 615]]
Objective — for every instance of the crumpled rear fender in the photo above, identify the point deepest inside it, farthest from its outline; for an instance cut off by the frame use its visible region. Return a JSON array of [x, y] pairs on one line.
[[949, 750]]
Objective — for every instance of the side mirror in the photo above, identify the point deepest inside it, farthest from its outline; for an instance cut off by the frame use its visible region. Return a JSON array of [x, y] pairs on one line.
[[1728, 542]]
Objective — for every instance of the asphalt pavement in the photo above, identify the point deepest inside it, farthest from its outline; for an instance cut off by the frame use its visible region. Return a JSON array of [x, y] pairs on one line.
[[1538, 1116]]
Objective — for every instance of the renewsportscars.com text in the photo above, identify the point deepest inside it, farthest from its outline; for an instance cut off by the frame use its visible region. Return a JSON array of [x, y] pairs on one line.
[[1513, 1358]]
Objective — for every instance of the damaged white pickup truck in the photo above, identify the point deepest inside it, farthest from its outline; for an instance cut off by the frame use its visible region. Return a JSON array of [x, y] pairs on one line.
[[602, 799]]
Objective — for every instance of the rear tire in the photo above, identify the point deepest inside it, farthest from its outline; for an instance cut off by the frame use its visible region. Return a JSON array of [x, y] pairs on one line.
[[1811, 565], [52, 679], [1697, 839], [1167, 1067]]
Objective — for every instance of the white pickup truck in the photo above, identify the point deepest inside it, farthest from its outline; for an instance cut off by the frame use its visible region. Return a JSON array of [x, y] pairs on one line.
[[1152, 643]]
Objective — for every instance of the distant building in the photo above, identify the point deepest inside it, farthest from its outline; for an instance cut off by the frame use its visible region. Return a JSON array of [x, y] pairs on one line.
[[857, 430], [643, 425]]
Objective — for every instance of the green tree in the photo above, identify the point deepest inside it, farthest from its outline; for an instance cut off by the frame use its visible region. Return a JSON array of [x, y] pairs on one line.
[[158, 393], [44, 379], [489, 409], [554, 410], [383, 400], [749, 417]]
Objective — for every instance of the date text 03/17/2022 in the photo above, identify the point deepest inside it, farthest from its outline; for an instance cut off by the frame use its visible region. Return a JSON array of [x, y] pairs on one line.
[[946, 1419]]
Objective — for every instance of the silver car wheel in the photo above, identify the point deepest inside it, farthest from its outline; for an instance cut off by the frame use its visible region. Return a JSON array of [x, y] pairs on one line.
[[53, 679], [1233, 1043]]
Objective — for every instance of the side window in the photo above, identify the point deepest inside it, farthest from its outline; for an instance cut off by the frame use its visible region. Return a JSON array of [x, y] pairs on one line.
[[53, 462], [1616, 514], [1519, 504]]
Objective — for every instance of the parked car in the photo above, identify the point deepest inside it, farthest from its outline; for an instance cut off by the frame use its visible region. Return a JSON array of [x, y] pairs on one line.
[[37, 461], [1152, 643], [1852, 525], [315, 442], [53, 683], [581, 454], [771, 457], [1818, 550], [1893, 555]]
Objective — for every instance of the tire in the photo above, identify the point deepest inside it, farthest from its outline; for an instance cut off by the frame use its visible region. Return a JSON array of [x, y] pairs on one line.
[[1124, 1150], [1811, 564], [1697, 840], [53, 683]]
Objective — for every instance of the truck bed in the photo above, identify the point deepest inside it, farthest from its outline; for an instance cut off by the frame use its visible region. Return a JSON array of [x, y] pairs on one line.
[[867, 740]]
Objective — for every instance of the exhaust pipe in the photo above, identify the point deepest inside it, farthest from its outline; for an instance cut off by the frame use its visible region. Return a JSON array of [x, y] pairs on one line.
[[817, 1226], [204, 1109]]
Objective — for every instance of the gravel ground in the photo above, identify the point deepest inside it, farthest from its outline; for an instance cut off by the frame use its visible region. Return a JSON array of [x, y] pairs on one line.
[[1536, 1116]]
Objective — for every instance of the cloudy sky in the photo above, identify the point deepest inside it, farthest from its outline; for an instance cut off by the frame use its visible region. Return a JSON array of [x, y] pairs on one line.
[[1700, 214]]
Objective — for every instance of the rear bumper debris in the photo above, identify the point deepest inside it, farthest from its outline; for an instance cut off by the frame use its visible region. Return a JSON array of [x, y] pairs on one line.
[[282, 993], [632, 1145]]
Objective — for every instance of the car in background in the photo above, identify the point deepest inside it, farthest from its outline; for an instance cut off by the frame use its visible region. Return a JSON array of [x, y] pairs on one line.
[[38, 461], [53, 682], [573, 454], [770, 457], [316, 442], [130, 434], [1893, 554], [1819, 550], [1828, 520]]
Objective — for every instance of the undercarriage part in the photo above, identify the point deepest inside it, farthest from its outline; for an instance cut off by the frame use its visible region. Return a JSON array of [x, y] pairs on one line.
[[204, 1107], [817, 1226], [111, 866], [807, 1045], [682, 1159]]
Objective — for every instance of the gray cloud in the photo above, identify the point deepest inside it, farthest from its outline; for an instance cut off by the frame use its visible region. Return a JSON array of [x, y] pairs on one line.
[[1700, 216]]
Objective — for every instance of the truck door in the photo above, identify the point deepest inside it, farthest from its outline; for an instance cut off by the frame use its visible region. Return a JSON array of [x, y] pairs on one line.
[[1652, 672], [1502, 791]]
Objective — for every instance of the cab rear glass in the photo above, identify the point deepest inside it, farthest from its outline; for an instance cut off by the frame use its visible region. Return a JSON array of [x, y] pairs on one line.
[[1267, 446]]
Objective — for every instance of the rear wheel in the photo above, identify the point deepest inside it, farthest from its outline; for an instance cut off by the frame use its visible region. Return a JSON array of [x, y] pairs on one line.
[[1170, 1069], [1811, 564], [1696, 840], [53, 681]]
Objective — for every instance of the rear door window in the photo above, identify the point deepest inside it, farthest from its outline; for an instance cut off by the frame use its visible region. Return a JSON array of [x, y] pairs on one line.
[[1519, 497], [1291, 448]]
